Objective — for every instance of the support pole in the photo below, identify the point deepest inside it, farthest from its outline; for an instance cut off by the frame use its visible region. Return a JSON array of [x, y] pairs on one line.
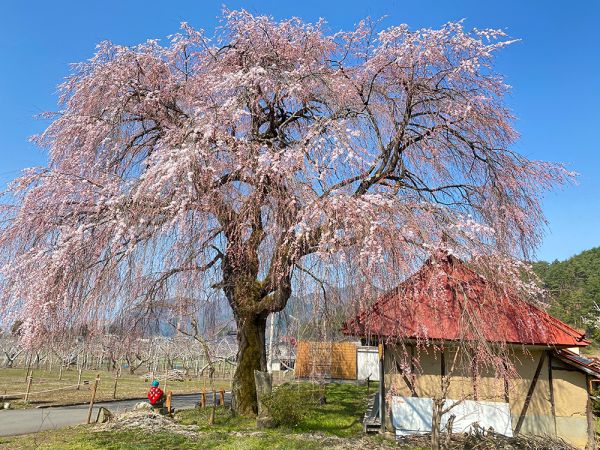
[[271, 333], [115, 388], [166, 380], [29, 379], [381, 388], [93, 398], [29, 358]]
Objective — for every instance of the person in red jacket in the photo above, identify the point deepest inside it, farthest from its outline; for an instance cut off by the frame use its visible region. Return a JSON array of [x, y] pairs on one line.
[[156, 396]]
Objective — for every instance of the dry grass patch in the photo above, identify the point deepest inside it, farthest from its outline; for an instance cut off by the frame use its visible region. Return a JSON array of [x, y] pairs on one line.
[[64, 391]]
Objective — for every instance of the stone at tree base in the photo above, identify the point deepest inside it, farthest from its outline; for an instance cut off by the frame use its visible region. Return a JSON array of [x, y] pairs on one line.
[[142, 405], [264, 387], [6, 405], [162, 411], [264, 423], [104, 415]]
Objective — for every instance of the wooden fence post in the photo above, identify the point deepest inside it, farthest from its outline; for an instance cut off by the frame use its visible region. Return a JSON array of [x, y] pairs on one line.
[[222, 395], [89, 417], [169, 400], [29, 379]]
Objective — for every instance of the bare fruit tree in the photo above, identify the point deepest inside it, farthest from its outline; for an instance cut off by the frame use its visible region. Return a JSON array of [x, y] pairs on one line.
[[138, 352], [229, 163], [11, 349]]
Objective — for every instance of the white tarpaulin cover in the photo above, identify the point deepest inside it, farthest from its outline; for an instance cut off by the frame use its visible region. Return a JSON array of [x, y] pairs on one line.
[[413, 415]]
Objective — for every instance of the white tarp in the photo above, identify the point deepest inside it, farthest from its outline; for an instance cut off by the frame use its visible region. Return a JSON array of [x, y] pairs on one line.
[[413, 415], [367, 362]]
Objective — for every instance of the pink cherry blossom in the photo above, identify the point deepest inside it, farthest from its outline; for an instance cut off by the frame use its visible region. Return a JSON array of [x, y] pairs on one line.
[[228, 163]]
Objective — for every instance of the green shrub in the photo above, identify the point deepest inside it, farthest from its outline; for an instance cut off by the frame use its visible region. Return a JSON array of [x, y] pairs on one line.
[[289, 404]]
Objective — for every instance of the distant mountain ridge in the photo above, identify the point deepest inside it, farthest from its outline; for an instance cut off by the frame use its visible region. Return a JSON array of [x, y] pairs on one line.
[[574, 287]]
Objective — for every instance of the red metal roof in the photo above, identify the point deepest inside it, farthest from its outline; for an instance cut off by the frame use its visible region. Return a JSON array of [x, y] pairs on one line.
[[446, 300]]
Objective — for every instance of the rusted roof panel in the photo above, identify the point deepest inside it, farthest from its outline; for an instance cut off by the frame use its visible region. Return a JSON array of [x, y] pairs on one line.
[[446, 300]]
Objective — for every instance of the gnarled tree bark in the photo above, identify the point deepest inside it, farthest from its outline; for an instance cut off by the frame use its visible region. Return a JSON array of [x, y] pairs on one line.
[[251, 357]]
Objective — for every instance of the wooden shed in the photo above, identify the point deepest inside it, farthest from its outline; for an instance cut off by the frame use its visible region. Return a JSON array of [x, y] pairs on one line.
[[550, 395]]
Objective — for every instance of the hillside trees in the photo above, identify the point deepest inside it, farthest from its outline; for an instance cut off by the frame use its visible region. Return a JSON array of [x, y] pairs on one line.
[[573, 288]]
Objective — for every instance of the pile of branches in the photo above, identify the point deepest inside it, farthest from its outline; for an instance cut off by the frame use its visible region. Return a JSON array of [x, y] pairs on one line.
[[147, 420], [487, 440], [172, 375]]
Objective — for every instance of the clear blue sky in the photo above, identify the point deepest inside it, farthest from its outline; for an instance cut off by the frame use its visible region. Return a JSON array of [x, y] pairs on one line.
[[554, 72]]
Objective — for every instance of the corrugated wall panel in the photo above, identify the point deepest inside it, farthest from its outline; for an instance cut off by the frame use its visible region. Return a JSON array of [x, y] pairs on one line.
[[326, 359]]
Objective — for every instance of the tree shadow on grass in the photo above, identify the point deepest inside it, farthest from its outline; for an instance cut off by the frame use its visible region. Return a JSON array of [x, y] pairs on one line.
[[340, 416]]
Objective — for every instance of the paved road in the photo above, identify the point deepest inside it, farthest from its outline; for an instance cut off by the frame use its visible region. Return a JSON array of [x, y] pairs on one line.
[[25, 421]]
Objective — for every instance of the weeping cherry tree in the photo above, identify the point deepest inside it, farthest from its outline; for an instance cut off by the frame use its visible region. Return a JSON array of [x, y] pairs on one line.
[[232, 162]]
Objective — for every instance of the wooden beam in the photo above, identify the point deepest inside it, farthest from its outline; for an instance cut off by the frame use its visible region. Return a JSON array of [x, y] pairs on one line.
[[410, 385], [412, 367], [530, 393], [566, 369], [551, 388], [506, 386], [589, 412], [407, 380], [443, 363]]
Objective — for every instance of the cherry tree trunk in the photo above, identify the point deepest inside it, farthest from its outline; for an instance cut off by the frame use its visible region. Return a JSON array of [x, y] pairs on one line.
[[251, 356], [436, 423]]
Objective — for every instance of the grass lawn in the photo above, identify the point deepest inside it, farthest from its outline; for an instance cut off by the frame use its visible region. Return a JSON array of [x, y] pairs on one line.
[[78, 438], [13, 381], [335, 424], [339, 416]]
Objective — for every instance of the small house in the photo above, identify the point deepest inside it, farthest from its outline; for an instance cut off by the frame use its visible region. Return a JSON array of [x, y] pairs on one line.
[[550, 393]]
